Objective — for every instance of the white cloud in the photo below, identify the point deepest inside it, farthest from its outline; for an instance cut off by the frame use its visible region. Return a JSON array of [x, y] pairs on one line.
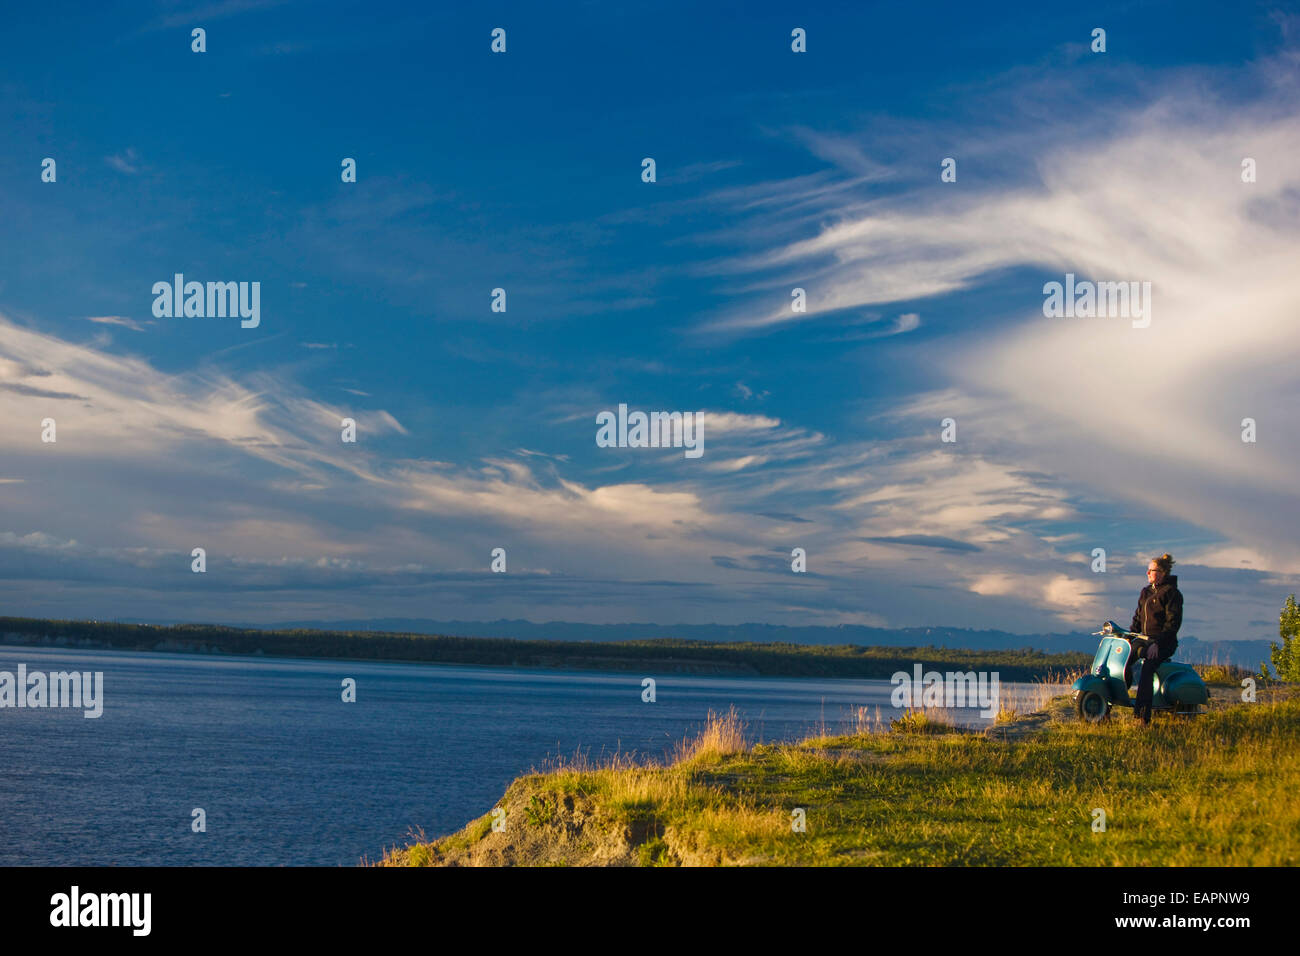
[[736, 464], [731, 422], [1150, 416], [116, 320], [126, 162]]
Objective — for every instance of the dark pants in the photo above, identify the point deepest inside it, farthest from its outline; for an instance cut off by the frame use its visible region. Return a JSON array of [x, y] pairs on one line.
[[1153, 654]]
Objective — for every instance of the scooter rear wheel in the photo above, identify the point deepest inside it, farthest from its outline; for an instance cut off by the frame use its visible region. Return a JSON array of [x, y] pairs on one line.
[[1092, 707]]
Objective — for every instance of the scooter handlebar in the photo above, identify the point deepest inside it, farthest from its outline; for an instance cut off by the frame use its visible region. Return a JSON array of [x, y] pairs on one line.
[[1111, 629]]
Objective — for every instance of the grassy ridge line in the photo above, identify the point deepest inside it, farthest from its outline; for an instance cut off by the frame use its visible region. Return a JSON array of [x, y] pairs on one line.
[[1219, 789], [788, 660]]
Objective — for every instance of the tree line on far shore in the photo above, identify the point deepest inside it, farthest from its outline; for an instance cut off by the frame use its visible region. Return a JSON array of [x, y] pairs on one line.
[[766, 659]]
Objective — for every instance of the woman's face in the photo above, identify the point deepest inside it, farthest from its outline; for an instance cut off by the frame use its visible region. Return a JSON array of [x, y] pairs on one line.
[[1154, 574]]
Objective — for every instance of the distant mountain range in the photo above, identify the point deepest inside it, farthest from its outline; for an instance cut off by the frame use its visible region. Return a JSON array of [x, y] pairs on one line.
[[1190, 649]]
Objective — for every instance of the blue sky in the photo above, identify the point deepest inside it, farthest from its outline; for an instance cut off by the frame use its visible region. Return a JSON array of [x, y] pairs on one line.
[[775, 170]]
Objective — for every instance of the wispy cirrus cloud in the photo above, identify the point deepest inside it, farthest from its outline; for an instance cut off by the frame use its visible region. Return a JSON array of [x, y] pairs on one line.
[[125, 162], [178, 14], [1157, 197], [116, 320], [251, 468]]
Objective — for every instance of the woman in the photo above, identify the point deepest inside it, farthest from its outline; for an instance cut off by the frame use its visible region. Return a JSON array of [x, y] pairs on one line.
[[1158, 616]]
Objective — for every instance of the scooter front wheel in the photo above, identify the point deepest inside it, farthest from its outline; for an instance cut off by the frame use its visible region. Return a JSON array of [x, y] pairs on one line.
[[1092, 706]]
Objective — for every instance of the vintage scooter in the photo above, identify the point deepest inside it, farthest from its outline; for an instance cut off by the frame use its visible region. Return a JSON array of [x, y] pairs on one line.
[[1177, 687]]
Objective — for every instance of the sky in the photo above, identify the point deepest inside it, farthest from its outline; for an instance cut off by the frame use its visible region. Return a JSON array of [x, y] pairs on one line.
[[774, 170]]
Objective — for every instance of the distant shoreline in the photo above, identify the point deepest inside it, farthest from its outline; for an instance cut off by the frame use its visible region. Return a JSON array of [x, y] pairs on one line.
[[659, 655]]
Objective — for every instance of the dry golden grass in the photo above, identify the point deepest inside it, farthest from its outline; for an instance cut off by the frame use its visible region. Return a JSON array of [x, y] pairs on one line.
[[723, 734], [1038, 693], [864, 721]]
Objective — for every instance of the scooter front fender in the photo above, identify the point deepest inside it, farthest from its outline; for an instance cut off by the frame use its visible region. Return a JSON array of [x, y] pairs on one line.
[[1091, 682]]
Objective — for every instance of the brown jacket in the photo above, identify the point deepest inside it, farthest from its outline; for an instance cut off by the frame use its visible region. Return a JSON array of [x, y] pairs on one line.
[[1159, 612]]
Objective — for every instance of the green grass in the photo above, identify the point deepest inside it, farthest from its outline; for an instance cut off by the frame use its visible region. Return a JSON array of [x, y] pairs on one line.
[[1222, 673], [1217, 789]]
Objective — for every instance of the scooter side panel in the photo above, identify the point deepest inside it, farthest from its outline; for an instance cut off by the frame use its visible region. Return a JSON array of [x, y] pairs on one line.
[[1180, 684]]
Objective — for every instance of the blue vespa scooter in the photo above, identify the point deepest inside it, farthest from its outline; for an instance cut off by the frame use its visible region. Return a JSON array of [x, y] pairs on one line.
[[1177, 686]]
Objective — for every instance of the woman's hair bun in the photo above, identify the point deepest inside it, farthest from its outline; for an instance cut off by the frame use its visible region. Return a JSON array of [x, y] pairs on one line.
[[1164, 562]]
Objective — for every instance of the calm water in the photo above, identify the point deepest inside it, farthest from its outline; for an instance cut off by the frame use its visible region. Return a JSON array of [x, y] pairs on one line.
[[289, 774]]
